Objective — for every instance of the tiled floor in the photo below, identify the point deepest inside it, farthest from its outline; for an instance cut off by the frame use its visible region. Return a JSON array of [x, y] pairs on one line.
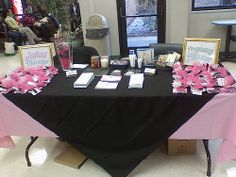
[[158, 164]]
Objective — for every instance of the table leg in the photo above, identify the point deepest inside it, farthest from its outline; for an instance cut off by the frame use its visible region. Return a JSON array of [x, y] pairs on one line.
[[206, 145], [227, 43], [82, 163], [33, 139]]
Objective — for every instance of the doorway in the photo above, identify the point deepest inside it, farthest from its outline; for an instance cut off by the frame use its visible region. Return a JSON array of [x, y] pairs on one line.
[[141, 22]]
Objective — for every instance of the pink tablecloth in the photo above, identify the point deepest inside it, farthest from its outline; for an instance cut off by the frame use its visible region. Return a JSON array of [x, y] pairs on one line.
[[15, 122], [216, 120]]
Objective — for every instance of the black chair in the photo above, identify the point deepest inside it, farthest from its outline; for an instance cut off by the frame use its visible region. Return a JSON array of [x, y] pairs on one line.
[[82, 55], [164, 48]]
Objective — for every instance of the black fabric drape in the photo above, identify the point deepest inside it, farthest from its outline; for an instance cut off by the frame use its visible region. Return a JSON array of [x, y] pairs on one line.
[[115, 128]]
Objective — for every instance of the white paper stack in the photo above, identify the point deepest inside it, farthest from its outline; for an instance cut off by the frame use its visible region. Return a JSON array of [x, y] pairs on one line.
[[136, 81], [108, 82], [106, 85], [110, 78], [84, 80]]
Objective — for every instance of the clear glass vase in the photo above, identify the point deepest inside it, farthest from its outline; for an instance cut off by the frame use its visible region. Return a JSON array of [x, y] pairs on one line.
[[64, 49]]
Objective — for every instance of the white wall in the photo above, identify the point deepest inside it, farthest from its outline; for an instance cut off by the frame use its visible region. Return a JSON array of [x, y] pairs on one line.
[[200, 25], [108, 9], [180, 21], [176, 20]]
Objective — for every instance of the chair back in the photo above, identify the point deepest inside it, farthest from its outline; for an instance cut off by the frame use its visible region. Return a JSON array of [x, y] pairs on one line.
[[164, 48], [82, 55]]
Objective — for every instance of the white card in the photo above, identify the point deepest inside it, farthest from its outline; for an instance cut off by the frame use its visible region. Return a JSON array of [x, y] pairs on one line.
[[79, 66], [196, 92], [171, 58], [111, 78], [106, 85], [221, 81], [71, 73]]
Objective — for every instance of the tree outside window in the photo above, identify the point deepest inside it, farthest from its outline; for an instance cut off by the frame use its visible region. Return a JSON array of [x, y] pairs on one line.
[[212, 4]]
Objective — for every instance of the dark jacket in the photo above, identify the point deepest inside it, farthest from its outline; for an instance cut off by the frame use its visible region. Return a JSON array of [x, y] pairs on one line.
[[4, 27], [75, 10]]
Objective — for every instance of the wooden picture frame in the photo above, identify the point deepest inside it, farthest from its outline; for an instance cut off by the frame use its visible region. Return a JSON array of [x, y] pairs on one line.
[[36, 55], [201, 50]]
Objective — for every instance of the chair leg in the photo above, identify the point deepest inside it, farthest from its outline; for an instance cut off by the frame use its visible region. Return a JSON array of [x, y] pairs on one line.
[[33, 139], [206, 145]]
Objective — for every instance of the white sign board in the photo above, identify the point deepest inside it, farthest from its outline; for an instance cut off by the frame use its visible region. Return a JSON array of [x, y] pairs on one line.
[[36, 55], [201, 50]]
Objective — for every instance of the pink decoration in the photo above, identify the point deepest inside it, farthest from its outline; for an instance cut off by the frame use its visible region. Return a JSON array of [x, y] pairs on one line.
[[229, 80], [65, 62], [196, 69], [223, 72], [24, 80], [15, 122], [202, 77], [216, 120]]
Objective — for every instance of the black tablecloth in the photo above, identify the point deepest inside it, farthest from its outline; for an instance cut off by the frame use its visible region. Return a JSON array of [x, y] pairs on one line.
[[115, 128]]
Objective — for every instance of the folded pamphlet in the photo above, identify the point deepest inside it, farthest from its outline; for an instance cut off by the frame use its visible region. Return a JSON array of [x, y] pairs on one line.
[[106, 85], [84, 80], [136, 81], [111, 78]]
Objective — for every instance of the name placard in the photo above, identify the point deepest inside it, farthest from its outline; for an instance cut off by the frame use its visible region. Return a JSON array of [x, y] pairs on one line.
[[201, 50], [36, 55]]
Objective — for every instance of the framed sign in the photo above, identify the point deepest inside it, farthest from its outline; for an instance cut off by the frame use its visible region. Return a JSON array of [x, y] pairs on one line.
[[36, 55], [201, 50]]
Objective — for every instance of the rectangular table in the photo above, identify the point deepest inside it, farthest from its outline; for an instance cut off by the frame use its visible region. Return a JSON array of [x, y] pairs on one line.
[[115, 128]]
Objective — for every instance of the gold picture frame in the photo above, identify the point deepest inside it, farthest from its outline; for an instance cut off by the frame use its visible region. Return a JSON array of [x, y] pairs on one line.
[[201, 50], [35, 55]]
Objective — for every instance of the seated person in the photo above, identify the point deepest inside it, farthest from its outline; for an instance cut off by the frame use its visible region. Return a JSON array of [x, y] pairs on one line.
[[16, 36], [42, 11], [13, 25], [51, 20], [28, 19]]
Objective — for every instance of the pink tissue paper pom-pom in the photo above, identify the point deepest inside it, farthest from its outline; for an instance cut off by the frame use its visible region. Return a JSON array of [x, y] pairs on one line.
[[24, 87], [1, 78], [223, 72], [41, 84], [208, 75], [205, 67], [40, 67], [15, 76], [229, 80], [42, 79], [181, 89], [197, 81], [196, 69], [189, 68], [214, 66], [210, 85], [38, 72], [184, 83], [177, 66], [53, 70], [20, 69], [181, 73], [190, 78], [199, 86], [28, 70], [8, 83]]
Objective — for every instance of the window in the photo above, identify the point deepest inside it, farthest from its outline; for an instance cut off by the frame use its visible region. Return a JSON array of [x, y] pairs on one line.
[[198, 5]]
